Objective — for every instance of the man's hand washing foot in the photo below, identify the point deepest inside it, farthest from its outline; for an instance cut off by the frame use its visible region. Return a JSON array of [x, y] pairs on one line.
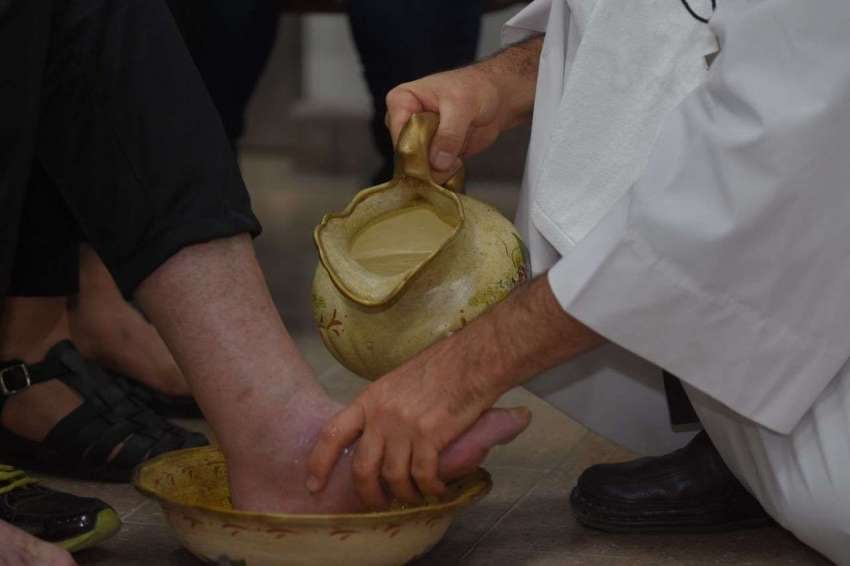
[[275, 480]]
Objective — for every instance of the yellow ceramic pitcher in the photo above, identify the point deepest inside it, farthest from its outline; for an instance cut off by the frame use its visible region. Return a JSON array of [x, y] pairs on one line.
[[409, 262]]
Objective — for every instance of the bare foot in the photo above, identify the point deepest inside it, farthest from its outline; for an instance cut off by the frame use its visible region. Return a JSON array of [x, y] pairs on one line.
[[21, 549], [111, 332], [275, 481]]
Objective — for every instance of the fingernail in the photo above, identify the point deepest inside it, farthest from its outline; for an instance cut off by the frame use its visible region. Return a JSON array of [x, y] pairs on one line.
[[313, 484], [442, 160]]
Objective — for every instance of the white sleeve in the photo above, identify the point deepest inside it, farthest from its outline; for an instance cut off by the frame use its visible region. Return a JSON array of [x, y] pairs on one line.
[[728, 263], [530, 21]]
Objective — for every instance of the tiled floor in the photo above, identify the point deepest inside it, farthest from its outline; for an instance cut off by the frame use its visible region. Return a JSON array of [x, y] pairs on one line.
[[525, 520]]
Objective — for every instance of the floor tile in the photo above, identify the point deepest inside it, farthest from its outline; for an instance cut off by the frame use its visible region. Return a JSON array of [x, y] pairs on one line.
[[149, 513], [139, 545], [509, 486], [542, 524]]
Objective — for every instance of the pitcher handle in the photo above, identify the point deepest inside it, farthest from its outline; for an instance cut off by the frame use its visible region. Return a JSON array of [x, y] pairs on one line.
[[412, 152]]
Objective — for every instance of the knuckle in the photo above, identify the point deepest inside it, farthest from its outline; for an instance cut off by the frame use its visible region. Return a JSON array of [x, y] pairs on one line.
[[451, 138], [394, 475], [425, 426], [459, 96], [394, 95], [423, 478]]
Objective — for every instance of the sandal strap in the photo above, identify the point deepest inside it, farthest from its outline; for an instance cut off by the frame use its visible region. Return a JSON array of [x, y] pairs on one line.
[[16, 376], [106, 418]]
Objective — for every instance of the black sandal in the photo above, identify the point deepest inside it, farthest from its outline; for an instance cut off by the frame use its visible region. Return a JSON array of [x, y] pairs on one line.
[[81, 443], [170, 407]]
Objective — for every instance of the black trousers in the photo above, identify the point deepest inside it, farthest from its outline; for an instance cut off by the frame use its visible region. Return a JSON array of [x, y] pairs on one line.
[[230, 42], [108, 134]]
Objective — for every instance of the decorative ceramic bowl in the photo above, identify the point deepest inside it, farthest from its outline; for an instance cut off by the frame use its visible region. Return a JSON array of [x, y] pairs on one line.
[[191, 486], [409, 262]]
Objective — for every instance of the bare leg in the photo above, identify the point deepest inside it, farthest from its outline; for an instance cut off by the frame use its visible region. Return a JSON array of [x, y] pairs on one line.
[[106, 329], [29, 327], [21, 549], [212, 307]]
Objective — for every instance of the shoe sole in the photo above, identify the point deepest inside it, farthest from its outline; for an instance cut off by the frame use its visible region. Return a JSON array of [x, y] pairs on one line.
[[592, 516], [107, 524]]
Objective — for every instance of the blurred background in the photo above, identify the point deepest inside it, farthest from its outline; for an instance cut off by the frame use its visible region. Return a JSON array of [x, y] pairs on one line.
[[300, 87], [313, 104]]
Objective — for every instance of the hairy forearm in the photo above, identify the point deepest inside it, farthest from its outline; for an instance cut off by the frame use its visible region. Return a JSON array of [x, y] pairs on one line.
[[514, 71], [519, 338]]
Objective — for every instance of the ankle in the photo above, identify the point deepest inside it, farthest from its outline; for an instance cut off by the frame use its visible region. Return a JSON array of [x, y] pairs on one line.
[[305, 414], [32, 413]]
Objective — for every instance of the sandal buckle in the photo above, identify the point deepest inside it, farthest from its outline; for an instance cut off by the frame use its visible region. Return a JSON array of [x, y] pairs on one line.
[[14, 379]]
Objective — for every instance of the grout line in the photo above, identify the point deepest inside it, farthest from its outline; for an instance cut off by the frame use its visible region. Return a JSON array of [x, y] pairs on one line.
[[544, 476], [132, 511]]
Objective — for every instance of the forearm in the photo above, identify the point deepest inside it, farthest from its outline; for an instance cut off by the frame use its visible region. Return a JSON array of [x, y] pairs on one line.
[[514, 72], [519, 338]]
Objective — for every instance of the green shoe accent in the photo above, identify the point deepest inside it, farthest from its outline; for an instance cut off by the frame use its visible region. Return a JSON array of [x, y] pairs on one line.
[[107, 524], [12, 478]]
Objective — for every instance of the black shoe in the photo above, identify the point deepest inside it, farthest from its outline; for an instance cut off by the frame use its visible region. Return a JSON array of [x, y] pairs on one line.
[[103, 439], [689, 490], [72, 522]]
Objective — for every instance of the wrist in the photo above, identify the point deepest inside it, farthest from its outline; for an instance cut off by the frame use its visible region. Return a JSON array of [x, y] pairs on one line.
[[513, 74], [484, 368]]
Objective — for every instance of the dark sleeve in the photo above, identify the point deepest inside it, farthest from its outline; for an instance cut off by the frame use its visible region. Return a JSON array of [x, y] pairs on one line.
[[132, 140]]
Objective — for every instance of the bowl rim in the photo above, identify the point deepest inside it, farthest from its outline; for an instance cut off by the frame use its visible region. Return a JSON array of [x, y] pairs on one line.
[[480, 484]]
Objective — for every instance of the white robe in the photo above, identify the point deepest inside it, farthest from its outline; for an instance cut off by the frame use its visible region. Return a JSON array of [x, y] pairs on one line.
[[728, 261]]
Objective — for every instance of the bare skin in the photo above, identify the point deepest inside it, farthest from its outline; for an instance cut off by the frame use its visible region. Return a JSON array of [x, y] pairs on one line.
[[109, 331], [101, 324], [212, 307], [21, 549], [475, 103], [272, 382], [29, 327], [407, 417]]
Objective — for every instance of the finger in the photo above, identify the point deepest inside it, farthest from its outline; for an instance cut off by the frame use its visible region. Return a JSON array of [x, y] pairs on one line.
[[424, 465], [480, 138], [401, 105], [455, 119], [366, 469], [441, 177], [338, 434], [396, 470], [496, 426]]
